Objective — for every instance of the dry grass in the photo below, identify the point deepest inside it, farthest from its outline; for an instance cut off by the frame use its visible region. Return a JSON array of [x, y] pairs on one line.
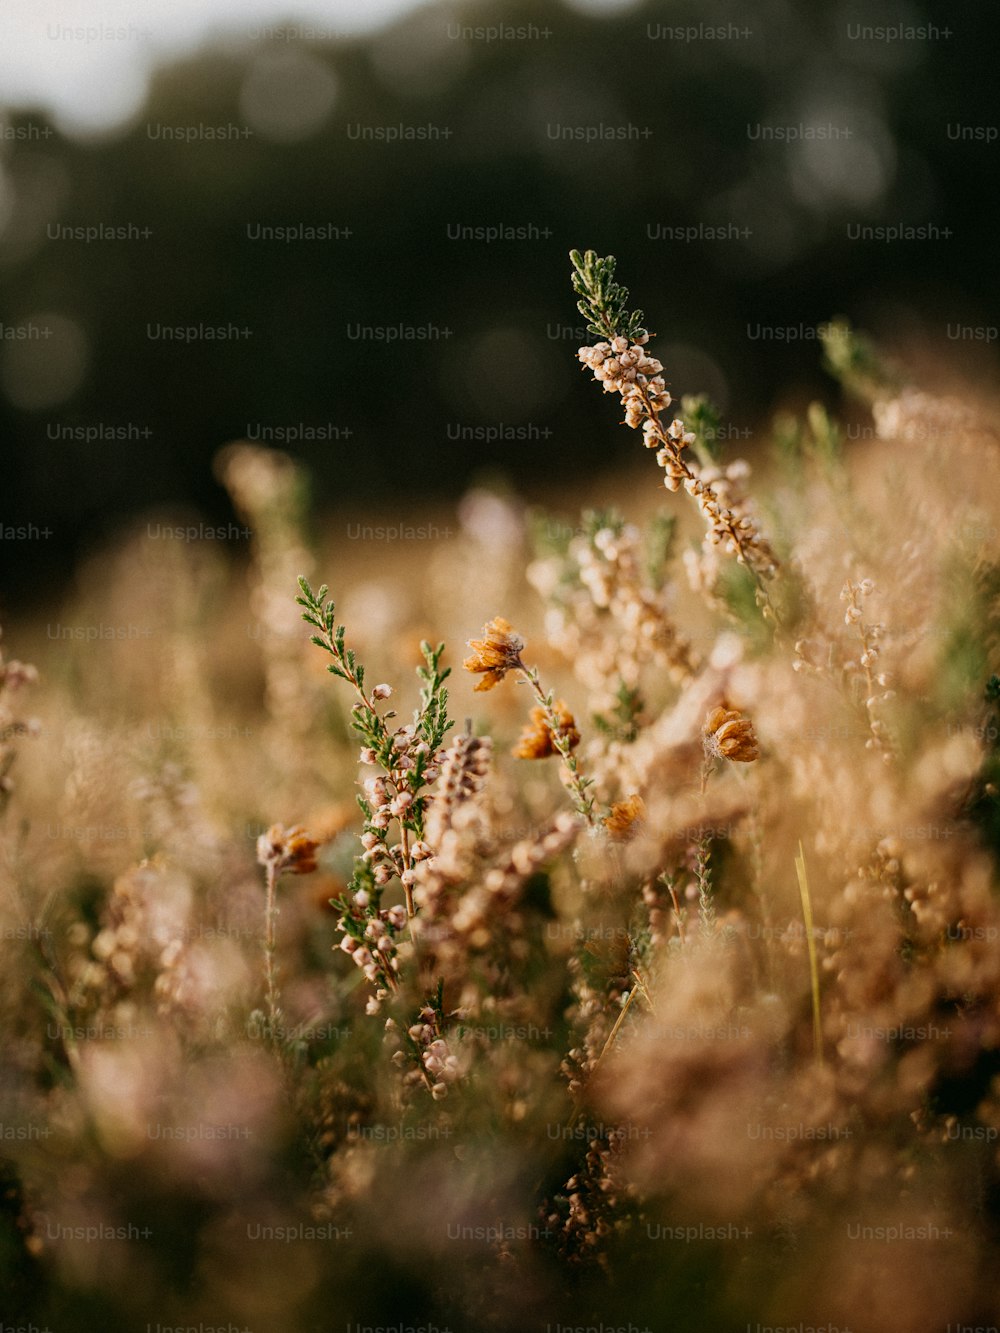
[[723, 1052]]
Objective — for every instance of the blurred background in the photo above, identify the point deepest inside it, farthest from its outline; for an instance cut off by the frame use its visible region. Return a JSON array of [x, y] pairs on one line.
[[342, 230]]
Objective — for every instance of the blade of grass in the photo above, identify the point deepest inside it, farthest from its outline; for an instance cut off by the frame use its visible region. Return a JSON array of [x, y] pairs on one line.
[[807, 917]]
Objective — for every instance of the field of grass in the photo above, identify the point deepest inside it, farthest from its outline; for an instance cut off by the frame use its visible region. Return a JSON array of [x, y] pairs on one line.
[[632, 962]]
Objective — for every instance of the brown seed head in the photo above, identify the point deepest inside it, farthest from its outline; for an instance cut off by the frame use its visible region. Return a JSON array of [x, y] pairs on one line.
[[287, 849], [625, 817], [727, 734], [536, 739], [496, 653]]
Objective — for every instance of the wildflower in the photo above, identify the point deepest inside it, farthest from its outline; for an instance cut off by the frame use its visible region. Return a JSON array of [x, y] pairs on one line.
[[537, 738], [496, 653], [729, 735], [624, 818], [287, 849], [627, 369]]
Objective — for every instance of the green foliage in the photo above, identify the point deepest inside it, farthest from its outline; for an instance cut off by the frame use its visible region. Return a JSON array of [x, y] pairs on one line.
[[661, 534], [970, 632], [623, 723], [741, 597], [853, 360], [602, 520], [703, 419], [824, 440], [604, 302]]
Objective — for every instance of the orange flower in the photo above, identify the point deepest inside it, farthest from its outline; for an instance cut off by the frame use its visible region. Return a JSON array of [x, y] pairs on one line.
[[287, 849], [625, 816], [496, 653], [536, 739], [728, 734]]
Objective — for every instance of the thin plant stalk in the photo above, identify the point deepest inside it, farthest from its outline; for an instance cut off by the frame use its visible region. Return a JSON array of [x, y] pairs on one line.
[[807, 917], [572, 779]]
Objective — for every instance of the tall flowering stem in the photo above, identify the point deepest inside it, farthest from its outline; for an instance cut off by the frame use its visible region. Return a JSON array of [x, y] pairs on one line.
[[278, 850], [620, 362], [552, 729], [873, 681], [407, 755]]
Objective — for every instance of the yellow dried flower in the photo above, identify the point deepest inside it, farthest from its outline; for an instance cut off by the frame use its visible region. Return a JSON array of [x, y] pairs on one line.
[[287, 849], [624, 818], [536, 739], [496, 653], [729, 735]]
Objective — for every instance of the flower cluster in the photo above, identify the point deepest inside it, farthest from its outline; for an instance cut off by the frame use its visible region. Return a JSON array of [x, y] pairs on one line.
[[538, 738], [611, 570], [608, 614], [731, 526], [496, 653], [13, 677], [439, 1064], [862, 674], [865, 668], [587, 1212], [473, 933], [370, 938], [146, 951], [455, 826], [407, 755], [628, 370], [625, 368], [422, 1049]]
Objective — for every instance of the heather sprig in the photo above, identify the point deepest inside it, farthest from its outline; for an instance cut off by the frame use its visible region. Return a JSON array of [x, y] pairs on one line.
[[622, 365], [371, 931], [604, 302], [496, 654], [852, 359], [564, 737], [408, 756]]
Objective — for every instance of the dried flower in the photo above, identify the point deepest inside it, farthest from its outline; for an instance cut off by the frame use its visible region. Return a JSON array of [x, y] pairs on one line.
[[287, 849], [537, 738], [496, 653], [625, 817], [728, 734]]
